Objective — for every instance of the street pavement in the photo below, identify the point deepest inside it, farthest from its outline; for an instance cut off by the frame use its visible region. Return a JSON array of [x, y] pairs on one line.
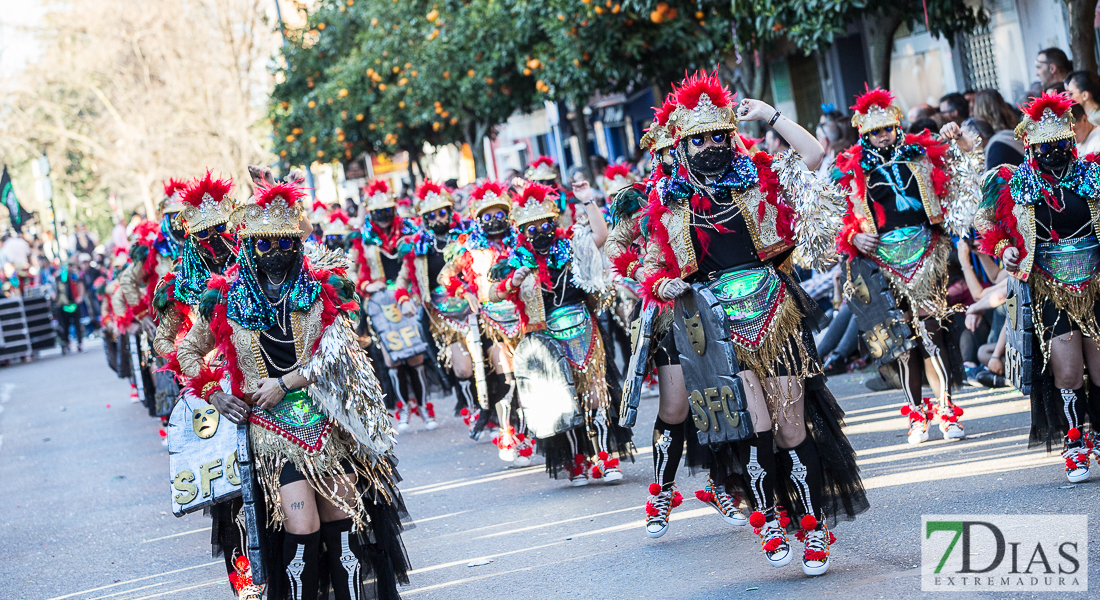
[[85, 510]]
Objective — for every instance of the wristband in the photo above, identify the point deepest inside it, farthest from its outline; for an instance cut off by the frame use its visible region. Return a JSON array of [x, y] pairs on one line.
[[1000, 248], [286, 390], [775, 118], [209, 389]]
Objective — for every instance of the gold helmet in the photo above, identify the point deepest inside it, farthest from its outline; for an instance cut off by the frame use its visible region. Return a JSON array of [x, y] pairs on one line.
[[276, 211], [543, 169], [535, 203], [875, 109], [488, 195], [207, 202], [702, 105], [378, 196], [1047, 118], [431, 196]]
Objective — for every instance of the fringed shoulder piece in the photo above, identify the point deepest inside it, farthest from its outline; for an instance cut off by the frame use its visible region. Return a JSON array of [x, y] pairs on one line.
[[819, 207]]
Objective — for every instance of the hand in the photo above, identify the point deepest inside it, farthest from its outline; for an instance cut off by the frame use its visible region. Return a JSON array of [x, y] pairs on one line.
[[472, 301], [231, 407], [972, 321], [951, 131], [269, 393], [672, 289], [865, 242], [583, 192], [260, 173], [408, 308], [1011, 258], [996, 365], [963, 248], [520, 275], [755, 110], [149, 326], [133, 327], [375, 286]]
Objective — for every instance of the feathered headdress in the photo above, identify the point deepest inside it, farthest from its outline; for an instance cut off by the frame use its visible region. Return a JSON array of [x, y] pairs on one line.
[[875, 109], [378, 196], [338, 223], [276, 211], [616, 177], [534, 204], [145, 234], [170, 202], [207, 202], [659, 135], [1046, 119], [543, 169], [431, 196], [490, 194], [703, 105]]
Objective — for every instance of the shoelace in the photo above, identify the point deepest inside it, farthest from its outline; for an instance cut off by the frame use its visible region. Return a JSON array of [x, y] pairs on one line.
[[1076, 458], [772, 537], [725, 501], [816, 546], [663, 503]]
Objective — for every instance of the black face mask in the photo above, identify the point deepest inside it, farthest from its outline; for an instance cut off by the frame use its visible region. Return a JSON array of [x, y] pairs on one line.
[[179, 234], [216, 250], [711, 162], [336, 243], [440, 227], [542, 241], [276, 263], [382, 219], [496, 227], [1054, 159]]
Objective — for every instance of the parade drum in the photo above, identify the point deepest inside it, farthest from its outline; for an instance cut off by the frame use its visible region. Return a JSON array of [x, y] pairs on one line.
[[399, 334], [1019, 335], [544, 382], [641, 338], [202, 455], [716, 393], [881, 323]]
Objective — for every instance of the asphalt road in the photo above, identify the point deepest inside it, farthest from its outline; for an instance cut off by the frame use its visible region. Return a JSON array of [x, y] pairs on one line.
[[84, 506]]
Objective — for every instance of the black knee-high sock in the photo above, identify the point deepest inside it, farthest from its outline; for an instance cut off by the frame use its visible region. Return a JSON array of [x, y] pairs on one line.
[[937, 354], [599, 432], [668, 449], [802, 466], [911, 372], [758, 459], [1094, 405], [341, 558], [416, 389], [301, 555], [1073, 407], [467, 395]]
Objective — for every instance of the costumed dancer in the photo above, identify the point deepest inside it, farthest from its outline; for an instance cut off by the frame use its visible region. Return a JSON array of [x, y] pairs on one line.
[[799, 460], [321, 439], [1040, 220], [545, 171], [486, 245], [619, 181], [335, 229], [379, 255], [898, 186], [557, 279]]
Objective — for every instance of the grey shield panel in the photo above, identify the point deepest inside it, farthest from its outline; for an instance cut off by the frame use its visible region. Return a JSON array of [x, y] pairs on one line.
[[641, 342], [881, 323], [398, 333], [1020, 335], [168, 389], [716, 393], [544, 382], [202, 456]]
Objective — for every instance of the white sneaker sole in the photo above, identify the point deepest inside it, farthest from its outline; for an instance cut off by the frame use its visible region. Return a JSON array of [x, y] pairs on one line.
[[430, 425], [953, 434], [815, 570], [522, 461], [736, 521], [401, 427], [656, 534], [1081, 475], [918, 438], [612, 477], [781, 562], [579, 482], [508, 455]]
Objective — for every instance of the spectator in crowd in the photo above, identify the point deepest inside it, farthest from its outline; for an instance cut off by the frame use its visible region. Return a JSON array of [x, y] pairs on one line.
[[119, 236], [920, 125], [1084, 88], [969, 95], [46, 275], [774, 143], [1051, 66], [70, 294], [89, 274], [1087, 134], [82, 240], [954, 108], [977, 129], [835, 133], [1002, 148], [919, 112]]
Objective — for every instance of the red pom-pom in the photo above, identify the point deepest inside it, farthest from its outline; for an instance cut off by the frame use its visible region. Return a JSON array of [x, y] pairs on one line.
[[241, 563], [809, 522], [784, 520], [650, 509], [654, 488], [772, 544], [958, 411], [464, 412], [677, 499], [815, 555], [521, 437], [163, 433], [526, 451], [832, 538], [704, 495], [612, 463], [596, 473], [757, 519], [1074, 434], [578, 459], [603, 455], [905, 410]]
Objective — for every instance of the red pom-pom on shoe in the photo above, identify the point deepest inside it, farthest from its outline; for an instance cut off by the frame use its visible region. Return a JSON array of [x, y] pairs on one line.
[[772, 544], [784, 520], [650, 509], [905, 410], [808, 522], [654, 488], [602, 455], [1074, 434], [815, 555], [677, 499], [958, 411], [612, 463], [596, 472], [578, 459], [757, 519], [704, 495], [526, 451], [464, 412], [521, 437], [832, 538], [163, 433]]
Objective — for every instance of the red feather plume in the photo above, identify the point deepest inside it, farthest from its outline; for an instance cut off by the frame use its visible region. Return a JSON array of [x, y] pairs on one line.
[[876, 97], [614, 171], [495, 187], [217, 188], [428, 187], [174, 185], [378, 185], [267, 191], [694, 86], [338, 215], [662, 114], [1059, 103], [543, 160], [536, 192]]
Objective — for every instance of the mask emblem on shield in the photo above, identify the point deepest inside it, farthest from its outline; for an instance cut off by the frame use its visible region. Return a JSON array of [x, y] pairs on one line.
[[695, 333], [205, 422], [860, 291], [391, 313]]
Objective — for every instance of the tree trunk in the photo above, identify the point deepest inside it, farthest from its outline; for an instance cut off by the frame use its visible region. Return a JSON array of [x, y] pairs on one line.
[[1082, 34], [878, 31], [580, 129], [474, 132], [413, 160]]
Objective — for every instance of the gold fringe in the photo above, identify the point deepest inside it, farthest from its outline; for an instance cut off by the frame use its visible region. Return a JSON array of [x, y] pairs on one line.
[[497, 336], [1078, 306], [444, 334], [927, 289], [781, 347], [271, 452], [590, 383]]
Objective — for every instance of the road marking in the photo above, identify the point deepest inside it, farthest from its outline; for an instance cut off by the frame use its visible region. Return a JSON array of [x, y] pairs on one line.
[[175, 535], [478, 558], [521, 529], [418, 521], [210, 564], [144, 587], [213, 582], [963, 469]]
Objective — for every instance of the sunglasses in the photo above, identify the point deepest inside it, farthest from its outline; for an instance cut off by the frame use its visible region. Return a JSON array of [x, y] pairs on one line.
[[335, 238], [1048, 146], [533, 229], [442, 213], [210, 231], [500, 214], [265, 245], [717, 138], [382, 212]]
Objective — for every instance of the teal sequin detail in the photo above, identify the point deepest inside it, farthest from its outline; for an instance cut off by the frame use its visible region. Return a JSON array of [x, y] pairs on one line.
[[1072, 262], [559, 255], [1029, 187], [250, 307], [191, 275]]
